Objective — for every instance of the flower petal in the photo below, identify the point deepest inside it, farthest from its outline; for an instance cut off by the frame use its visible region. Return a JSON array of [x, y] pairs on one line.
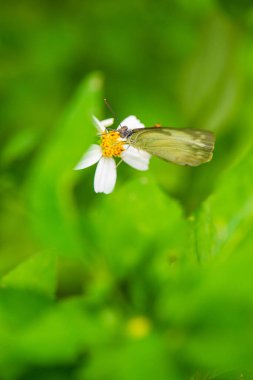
[[107, 122], [93, 154], [131, 122], [98, 124], [105, 176], [138, 159]]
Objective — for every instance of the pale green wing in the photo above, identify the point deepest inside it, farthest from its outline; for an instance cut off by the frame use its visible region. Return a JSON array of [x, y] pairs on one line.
[[181, 146]]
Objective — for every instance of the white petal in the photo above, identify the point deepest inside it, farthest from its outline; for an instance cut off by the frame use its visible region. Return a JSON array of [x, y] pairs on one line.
[[105, 176], [131, 122], [138, 159], [93, 154], [107, 122], [98, 124]]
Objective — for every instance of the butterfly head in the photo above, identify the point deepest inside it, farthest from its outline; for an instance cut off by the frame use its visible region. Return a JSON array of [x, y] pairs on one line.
[[124, 132]]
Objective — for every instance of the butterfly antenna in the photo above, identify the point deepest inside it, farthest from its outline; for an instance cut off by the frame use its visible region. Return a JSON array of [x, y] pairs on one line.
[[111, 110]]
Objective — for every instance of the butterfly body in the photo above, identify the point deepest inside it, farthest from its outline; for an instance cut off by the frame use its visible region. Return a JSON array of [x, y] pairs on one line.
[[181, 146]]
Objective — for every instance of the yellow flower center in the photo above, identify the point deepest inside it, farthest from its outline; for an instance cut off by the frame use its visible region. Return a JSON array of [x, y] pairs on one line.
[[111, 144]]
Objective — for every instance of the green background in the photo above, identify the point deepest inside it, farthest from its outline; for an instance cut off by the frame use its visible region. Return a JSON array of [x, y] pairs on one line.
[[155, 280]]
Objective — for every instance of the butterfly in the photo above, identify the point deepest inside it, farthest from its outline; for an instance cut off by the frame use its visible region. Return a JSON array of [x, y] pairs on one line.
[[191, 147]]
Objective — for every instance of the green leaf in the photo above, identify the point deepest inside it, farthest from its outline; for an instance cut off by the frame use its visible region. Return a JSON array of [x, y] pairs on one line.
[[209, 87], [18, 310], [50, 186], [37, 273], [140, 359], [208, 314], [36, 332], [224, 223], [136, 224], [19, 145]]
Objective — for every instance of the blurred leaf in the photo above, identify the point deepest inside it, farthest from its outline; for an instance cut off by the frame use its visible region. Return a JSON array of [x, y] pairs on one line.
[[19, 145], [34, 331], [224, 223], [235, 8], [234, 375], [208, 316], [136, 224], [52, 178], [60, 334], [141, 359], [16, 241], [18, 309], [37, 273], [209, 87]]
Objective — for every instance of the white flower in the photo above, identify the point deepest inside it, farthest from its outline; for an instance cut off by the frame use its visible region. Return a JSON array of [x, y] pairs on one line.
[[112, 145]]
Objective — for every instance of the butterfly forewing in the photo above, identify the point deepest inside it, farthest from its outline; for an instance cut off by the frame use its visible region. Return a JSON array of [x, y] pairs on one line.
[[180, 146]]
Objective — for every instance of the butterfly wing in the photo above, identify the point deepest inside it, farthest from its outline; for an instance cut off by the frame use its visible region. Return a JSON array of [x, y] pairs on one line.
[[181, 146]]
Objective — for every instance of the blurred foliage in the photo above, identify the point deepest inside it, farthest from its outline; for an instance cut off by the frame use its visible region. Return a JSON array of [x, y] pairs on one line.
[[154, 280]]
